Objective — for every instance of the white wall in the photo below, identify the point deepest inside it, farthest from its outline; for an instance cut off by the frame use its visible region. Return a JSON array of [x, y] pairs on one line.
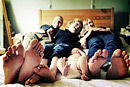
[[23, 14], [1, 26]]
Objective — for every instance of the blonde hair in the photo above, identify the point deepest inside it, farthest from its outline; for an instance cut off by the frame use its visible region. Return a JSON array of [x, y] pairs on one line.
[[73, 21], [83, 29]]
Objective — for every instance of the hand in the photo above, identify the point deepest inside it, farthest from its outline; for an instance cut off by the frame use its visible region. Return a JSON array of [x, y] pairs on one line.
[[83, 42], [50, 31]]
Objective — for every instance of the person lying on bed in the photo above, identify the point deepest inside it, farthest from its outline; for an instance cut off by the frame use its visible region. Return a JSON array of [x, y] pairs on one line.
[[75, 65], [18, 67], [41, 34], [99, 38], [64, 41]]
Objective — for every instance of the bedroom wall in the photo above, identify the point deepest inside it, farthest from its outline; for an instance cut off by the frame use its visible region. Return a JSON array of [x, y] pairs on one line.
[[23, 14]]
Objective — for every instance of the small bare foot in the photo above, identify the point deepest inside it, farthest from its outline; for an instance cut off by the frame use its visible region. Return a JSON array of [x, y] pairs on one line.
[[66, 69], [84, 77], [44, 72], [33, 56], [33, 79], [96, 62], [119, 65], [12, 63]]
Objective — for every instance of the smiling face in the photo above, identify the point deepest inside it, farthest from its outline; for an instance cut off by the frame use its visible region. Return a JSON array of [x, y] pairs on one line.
[[57, 22], [75, 27]]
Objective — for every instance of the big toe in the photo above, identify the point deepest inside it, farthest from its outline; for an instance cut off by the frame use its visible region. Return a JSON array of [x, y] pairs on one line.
[[117, 53], [104, 53], [33, 43], [20, 49]]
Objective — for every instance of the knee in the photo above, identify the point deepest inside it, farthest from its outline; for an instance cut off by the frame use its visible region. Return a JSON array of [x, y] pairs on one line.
[[74, 50], [95, 44]]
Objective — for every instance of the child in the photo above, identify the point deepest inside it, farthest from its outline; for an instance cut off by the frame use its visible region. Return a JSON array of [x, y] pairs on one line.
[[64, 41], [41, 34], [75, 66], [100, 38]]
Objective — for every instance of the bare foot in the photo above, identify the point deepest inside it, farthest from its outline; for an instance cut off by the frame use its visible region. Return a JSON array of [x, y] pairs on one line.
[[44, 72], [35, 77], [66, 69], [12, 63], [119, 65], [84, 77], [33, 56], [96, 62]]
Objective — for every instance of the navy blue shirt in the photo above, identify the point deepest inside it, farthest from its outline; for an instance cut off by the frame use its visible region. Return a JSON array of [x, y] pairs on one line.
[[46, 27], [65, 36]]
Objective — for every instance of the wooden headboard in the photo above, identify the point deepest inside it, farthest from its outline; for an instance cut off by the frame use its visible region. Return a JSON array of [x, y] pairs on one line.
[[101, 17]]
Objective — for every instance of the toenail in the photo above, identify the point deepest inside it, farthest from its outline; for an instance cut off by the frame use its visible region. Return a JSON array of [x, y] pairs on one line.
[[38, 68]]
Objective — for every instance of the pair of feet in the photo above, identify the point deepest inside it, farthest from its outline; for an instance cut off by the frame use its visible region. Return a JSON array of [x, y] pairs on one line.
[[23, 64], [19, 65], [119, 64]]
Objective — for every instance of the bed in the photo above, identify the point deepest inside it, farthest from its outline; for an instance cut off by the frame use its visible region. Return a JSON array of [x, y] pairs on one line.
[[101, 17]]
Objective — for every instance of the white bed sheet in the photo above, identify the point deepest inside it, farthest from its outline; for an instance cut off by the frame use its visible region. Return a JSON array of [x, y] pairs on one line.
[[64, 82]]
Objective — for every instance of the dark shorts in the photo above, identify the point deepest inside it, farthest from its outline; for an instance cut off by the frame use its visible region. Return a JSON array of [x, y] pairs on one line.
[[59, 50]]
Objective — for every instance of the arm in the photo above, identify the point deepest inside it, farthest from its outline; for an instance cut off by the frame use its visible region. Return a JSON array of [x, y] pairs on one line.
[[50, 32], [83, 39]]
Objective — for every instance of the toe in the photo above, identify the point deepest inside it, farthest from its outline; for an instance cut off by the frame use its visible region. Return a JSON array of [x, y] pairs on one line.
[[20, 49], [104, 53], [117, 53], [124, 53], [33, 43], [14, 50]]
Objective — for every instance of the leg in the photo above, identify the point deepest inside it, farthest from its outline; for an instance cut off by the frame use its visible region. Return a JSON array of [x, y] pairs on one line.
[[82, 64], [63, 66], [33, 56], [12, 63], [119, 65], [112, 43], [94, 44], [53, 66], [96, 62]]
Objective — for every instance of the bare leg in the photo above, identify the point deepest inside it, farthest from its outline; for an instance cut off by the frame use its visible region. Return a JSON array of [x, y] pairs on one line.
[[119, 65], [12, 63], [33, 56], [63, 66], [96, 62], [83, 65], [53, 66]]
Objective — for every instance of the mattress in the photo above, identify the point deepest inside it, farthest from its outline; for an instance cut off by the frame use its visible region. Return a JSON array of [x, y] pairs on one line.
[[61, 81]]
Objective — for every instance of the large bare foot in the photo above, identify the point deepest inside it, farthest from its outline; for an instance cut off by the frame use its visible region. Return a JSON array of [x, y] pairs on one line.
[[96, 62], [33, 56], [12, 63], [41, 72], [119, 65]]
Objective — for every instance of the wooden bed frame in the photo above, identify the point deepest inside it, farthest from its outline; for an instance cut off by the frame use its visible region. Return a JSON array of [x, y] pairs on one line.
[[101, 17]]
